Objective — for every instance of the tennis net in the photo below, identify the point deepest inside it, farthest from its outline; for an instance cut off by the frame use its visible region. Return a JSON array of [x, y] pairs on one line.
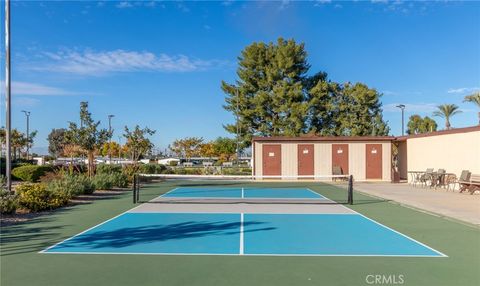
[[171, 188]]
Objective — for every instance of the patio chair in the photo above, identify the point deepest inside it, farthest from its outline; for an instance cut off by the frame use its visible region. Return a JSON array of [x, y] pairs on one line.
[[450, 179], [425, 177], [439, 178], [337, 170], [464, 181], [474, 183]]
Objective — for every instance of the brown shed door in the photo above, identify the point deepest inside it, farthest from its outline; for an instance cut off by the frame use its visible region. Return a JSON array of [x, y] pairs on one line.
[[272, 160], [374, 161], [340, 157], [305, 159]]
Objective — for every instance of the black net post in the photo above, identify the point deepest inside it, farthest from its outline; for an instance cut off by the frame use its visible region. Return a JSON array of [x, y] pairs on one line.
[[134, 189], [350, 190], [138, 188]]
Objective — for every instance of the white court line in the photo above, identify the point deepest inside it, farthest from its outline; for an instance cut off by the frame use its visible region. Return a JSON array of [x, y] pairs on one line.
[[245, 254], [391, 229], [167, 193], [242, 238], [241, 249], [243, 194]]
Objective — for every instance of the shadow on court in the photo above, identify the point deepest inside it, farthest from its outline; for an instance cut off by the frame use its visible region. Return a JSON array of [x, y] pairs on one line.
[[27, 237], [129, 236]]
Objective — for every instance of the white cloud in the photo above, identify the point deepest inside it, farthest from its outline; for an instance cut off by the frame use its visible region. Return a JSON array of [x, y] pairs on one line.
[[100, 63], [227, 3], [22, 102], [124, 4], [322, 2], [463, 90], [27, 88]]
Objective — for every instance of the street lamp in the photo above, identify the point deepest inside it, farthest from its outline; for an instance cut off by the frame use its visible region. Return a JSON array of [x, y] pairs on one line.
[[110, 116], [402, 107], [8, 101], [27, 114]]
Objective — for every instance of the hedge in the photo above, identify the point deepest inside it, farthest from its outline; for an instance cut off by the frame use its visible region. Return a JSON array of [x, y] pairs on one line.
[[31, 173]]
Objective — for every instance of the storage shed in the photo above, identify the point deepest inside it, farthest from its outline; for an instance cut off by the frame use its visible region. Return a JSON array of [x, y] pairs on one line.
[[364, 157]]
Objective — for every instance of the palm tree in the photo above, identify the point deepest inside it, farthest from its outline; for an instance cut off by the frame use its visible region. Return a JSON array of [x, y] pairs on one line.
[[446, 111], [475, 99]]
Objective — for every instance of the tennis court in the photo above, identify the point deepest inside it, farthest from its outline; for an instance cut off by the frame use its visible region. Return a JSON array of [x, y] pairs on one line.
[[243, 220]]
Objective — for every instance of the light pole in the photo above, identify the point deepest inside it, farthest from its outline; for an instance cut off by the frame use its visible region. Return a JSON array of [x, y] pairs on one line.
[[238, 128], [120, 147], [27, 114], [402, 107], [8, 101], [110, 116]]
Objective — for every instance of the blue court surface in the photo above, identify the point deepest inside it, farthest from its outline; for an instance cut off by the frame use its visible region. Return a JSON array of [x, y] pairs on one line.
[[243, 234], [258, 193]]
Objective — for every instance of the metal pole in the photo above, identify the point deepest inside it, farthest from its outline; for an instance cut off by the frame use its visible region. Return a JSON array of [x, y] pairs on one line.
[[238, 129], [403, 121], [402, 107], [110, 138], [27, 114], [120, 148], [8, 101]]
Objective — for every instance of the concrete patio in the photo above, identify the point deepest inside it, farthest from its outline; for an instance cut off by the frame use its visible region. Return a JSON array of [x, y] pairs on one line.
[[460, 206]]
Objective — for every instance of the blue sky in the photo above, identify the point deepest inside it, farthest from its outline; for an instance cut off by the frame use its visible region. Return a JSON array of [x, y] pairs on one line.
[[160, 64]]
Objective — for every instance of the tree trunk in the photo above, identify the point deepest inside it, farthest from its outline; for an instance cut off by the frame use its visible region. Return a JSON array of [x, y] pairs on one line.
[[447, 124], [91, 164]]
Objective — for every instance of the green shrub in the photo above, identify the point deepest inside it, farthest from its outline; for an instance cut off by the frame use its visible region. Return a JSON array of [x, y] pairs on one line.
[[173, 163], [119, 180], [188, 171], [73, 185], [151, 169], [31, 173], [8, 202], [107, 181], [36, 197], [103, 181], [237, 171], [108, 169]]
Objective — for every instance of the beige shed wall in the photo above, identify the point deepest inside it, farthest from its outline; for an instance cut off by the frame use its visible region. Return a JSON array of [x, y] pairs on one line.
[[258, 157], [323, 159], [452, 152], [289, 159], [356, 160], [387, 161]]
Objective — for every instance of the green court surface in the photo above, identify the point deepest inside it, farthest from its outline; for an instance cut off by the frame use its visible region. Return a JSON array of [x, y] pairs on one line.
[[21, 264]]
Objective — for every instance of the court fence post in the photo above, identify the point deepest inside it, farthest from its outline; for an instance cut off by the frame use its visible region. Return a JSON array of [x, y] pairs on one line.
[[350, 190]]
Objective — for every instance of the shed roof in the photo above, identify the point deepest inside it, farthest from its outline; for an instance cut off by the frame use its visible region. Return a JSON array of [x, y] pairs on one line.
[[322, 138], [441, 132]]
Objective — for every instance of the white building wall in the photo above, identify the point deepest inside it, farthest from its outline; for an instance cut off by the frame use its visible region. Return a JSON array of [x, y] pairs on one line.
[[452, 152]]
